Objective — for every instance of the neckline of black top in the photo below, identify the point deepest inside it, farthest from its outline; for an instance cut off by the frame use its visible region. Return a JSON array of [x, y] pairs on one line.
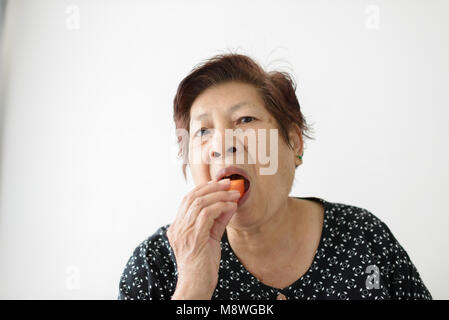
[[297, 282]]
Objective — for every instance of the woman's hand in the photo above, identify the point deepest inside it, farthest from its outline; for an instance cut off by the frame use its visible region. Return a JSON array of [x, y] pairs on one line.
[[195, 237]]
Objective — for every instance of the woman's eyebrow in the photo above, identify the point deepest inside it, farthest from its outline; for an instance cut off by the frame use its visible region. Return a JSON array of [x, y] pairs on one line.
[[231, 110]]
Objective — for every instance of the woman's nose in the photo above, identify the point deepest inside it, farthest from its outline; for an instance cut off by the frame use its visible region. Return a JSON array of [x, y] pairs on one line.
[[226, 145], [215, 154]]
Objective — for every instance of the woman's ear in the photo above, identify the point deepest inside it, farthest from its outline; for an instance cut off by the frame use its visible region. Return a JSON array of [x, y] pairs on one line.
[[296, 140]]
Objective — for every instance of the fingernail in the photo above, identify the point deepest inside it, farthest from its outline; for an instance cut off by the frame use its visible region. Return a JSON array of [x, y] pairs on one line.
[[224, 181]]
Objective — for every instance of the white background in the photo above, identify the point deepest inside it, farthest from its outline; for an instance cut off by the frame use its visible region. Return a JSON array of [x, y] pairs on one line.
[[88, 165]]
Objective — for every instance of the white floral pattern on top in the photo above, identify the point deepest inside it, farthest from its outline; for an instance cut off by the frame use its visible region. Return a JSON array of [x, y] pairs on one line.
[[357, 258]]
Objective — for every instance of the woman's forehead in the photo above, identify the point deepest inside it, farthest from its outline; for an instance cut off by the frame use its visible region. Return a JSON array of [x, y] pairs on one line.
[[226, 97]]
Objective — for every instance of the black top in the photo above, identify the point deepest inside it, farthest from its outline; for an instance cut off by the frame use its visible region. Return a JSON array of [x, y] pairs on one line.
[[357, 258]]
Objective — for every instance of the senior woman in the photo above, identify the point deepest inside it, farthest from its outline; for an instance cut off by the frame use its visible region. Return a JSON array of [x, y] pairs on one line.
[[264, 244]]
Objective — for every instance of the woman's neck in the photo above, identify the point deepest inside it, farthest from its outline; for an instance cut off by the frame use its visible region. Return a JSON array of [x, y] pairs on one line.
[[275, 231]]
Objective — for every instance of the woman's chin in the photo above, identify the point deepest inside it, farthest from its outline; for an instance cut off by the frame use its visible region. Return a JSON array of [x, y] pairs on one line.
[[245, 210]]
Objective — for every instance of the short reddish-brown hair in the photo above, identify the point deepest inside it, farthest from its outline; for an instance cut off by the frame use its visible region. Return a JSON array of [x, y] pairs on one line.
[[276, 88]]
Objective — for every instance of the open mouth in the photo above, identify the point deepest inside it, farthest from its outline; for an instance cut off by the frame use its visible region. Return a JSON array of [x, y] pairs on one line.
[[237, 176]]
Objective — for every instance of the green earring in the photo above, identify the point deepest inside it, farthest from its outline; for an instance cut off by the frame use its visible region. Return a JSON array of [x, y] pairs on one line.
[[299, 157]]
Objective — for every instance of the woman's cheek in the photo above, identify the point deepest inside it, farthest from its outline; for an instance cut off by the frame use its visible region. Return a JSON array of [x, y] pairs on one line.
[[197, 154], [254, 149], [200, 173]]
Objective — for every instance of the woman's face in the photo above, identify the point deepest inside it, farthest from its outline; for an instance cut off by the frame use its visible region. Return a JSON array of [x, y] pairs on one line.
[[235, 105]]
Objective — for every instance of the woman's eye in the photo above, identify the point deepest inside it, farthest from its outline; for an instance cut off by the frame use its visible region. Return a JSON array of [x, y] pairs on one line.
[[246, 119], [201, 132]]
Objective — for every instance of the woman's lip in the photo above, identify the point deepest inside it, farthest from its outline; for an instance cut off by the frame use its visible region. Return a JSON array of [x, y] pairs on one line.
[[223, 172]]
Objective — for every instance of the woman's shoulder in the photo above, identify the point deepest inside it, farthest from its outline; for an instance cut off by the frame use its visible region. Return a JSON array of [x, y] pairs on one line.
[[357, 233], [153, 253], [352, 225], [349, 217], [150, 272], [157, 238], [365, 235], [362, 233], [155, 246]]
